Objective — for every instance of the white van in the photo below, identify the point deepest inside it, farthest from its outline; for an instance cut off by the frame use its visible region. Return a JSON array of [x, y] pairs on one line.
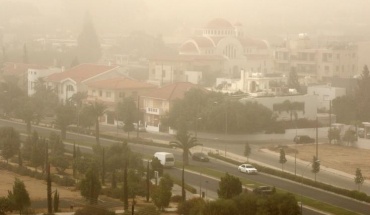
[[167, 159]]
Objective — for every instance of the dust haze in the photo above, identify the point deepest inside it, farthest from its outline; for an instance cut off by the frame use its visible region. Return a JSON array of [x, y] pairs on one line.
[[264, 18]]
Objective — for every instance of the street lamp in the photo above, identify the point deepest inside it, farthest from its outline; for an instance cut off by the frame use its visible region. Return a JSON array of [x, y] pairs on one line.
[[328, 99], [206, 190]]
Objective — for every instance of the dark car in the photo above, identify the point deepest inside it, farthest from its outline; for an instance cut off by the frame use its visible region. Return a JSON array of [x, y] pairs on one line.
[[303, 139], [264, 190], [200, 156]]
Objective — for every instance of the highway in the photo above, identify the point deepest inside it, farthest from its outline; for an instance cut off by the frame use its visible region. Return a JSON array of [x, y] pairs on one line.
[[212, 184]]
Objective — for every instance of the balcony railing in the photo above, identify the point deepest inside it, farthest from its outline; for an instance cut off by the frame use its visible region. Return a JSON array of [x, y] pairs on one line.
[[155, 111]]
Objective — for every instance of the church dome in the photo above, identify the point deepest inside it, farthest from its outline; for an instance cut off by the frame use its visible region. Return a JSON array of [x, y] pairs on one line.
[[219, 24]]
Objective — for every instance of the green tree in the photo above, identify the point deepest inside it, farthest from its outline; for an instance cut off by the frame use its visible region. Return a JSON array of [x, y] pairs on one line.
[[363, 97], [185, 142], [293, 81], [5, 205], [221, 207], [27, 111], [90, 186], [9, 142], [247, 150], [65, 116], [282, 158], [60, 162], [96, 110], [344, 109], [359, 179], [156, 166], [88, 44], [161, 194], [334, 134], [280, 203], [127, 112], [291, 107], [91, 210], [315, 166], [193, 206], [56, 201], [45, 99], [38, 153], [148, 210], [19, 196], [10, 95], [229, 187], [350, 136], [247, 203]]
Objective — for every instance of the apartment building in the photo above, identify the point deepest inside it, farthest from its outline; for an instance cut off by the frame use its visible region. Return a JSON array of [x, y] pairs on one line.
[[315, 61]]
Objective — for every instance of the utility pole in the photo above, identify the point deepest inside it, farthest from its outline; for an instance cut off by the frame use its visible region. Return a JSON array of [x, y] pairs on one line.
[[138, 116], [330, 120], [317, 138], [48, 179]]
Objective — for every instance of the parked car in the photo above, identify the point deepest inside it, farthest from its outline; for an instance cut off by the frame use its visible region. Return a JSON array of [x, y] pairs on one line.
[[303, 139], [200, 156], [247, 168], [264, 190]]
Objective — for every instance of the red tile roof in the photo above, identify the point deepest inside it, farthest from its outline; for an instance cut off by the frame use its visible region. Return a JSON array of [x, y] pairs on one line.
[[171, 91], [17, 69], [120, 83], [81, 72]]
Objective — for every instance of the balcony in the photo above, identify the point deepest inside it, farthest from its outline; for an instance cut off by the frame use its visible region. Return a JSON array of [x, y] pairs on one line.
[[154, 111]]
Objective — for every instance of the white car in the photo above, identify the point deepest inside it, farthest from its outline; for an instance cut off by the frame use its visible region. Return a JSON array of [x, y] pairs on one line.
[[247, 168]]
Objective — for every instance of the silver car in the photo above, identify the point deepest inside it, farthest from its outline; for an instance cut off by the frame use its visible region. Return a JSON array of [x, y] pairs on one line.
[[247, 168]]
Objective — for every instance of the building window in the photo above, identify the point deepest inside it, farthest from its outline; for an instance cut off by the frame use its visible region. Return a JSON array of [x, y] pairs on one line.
[[108, 94]]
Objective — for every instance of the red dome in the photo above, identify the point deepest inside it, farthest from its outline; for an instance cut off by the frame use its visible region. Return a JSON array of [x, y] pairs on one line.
[[219, 24]]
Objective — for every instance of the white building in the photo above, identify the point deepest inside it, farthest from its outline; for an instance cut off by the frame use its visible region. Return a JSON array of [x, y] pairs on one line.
[[325, 94], [33, 75], [308, 103], [314, 61]]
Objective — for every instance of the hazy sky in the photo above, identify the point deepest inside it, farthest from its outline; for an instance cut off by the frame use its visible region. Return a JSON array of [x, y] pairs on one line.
[[169, 16]]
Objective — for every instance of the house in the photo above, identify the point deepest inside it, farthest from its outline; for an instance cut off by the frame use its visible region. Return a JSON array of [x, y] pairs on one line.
[[76, 79], [111, 91], [34, 75], [158, 102], [18, 72]]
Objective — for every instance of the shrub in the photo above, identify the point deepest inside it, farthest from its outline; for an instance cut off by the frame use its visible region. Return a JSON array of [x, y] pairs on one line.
[[89, 210], [148, 210]]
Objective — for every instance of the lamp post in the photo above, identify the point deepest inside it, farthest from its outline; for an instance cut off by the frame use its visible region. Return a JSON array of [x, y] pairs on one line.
[[328, 99], [206, 190], [226, 120]]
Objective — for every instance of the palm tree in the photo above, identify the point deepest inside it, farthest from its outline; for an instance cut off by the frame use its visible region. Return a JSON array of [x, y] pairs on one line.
[[96, 109], [184, 141]]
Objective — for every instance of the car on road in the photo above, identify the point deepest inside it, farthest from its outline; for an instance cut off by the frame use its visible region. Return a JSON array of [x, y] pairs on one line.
[[303, 139], [247, 168], [200, 156], [264, 190]]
